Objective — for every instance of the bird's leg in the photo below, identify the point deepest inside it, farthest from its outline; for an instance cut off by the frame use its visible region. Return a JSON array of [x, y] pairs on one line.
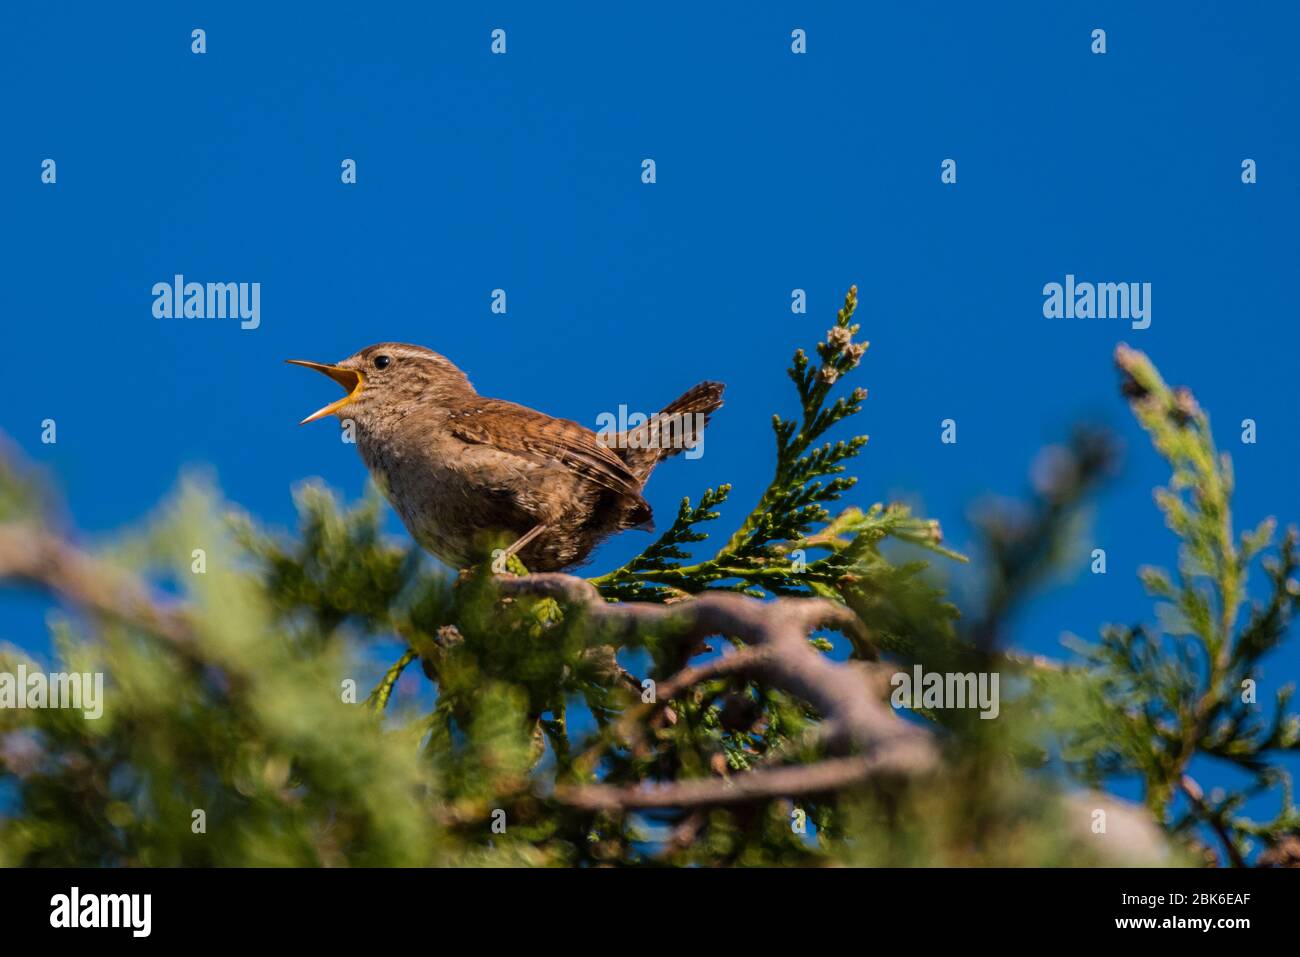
[[519, 545]]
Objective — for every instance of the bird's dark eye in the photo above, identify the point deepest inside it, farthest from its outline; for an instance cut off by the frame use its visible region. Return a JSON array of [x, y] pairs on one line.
[[381, 362]]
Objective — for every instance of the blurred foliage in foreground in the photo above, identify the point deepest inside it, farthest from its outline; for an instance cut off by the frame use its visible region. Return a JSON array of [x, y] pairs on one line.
[[245, 735]]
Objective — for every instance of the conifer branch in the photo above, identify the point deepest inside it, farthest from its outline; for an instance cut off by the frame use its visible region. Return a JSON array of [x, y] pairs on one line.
[[776, 650], [1159, 697], [767, 553], [377, 700]]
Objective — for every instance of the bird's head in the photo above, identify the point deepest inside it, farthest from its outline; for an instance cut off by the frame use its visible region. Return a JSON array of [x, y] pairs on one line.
[[386, 376]]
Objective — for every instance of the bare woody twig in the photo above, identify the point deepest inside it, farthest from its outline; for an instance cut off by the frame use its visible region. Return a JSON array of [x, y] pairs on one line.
[[1196, 797], [778, 652], [831, 774], [877, 744], [31, 555]]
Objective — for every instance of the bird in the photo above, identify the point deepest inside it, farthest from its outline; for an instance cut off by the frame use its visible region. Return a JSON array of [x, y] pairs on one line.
[[466, 473]]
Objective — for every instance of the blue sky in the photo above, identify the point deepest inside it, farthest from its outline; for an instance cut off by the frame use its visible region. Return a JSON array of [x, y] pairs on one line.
[[774, 172]]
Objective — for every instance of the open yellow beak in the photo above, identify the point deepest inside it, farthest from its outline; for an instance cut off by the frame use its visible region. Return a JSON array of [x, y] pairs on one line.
[[348, 378]]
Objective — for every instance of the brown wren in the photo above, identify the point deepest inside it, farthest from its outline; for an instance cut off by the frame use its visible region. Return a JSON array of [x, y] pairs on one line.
[[466, 472]]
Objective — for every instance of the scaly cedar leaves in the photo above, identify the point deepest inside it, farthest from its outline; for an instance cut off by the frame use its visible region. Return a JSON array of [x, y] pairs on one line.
[[768, 554]]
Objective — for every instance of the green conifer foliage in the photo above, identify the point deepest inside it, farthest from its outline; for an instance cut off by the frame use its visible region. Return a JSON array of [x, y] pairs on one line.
[[327, 696]]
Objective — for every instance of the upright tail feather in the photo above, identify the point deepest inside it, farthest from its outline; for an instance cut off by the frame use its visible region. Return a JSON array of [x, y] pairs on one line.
[[679, 426]]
